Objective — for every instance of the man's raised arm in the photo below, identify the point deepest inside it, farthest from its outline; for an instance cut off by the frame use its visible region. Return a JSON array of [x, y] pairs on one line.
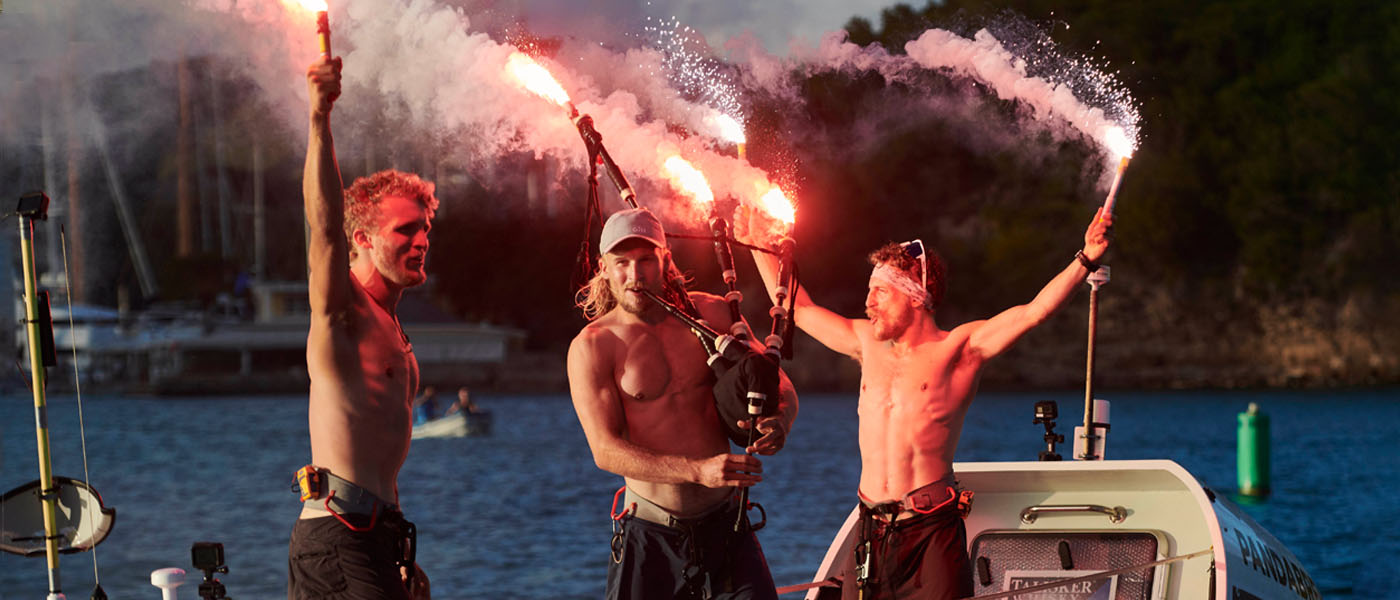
[[997, 334], [832, 330], [327, 254], [600, 413]]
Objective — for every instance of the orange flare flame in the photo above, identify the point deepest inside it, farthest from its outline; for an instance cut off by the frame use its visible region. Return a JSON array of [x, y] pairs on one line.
[[689, 179], [777, 205], [535, 78]]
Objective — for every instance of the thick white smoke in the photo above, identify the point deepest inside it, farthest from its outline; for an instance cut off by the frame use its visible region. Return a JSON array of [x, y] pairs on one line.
[[419, 70]]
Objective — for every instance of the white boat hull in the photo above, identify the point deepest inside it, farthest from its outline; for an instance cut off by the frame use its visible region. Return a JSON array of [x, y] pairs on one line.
[[1164, 508], [457, 424], [453, 425]]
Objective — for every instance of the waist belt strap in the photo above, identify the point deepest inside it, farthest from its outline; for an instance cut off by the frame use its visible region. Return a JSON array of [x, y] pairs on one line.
[[924, 500], [934, 496], [646, 510], [341, 495]]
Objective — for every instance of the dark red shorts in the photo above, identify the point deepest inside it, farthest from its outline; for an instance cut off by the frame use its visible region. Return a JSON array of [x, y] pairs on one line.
[[922, 557]]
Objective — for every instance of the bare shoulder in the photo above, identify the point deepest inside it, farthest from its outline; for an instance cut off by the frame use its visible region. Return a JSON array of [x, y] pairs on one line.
[[965, 331], [592, 356], [591, 341]]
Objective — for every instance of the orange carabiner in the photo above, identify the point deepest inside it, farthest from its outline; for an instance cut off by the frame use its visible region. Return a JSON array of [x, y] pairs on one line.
[[616, 516]]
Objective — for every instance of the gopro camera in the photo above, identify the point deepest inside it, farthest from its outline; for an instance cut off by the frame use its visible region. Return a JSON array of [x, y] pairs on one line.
[[208, 556], [1045, 414]]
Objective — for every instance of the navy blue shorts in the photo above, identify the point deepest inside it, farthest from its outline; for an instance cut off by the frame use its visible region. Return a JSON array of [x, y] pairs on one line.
[[661, 563]]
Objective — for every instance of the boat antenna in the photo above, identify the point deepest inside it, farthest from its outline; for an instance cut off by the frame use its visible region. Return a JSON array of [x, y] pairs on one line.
[[33, 206], [1088, 443], [97, 593]]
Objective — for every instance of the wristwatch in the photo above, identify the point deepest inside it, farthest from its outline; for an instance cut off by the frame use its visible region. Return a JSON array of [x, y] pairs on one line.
[[1084, 260]]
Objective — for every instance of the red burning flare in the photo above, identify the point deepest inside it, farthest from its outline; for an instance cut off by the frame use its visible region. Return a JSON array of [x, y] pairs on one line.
[[323, 24], [690, 181], [776, 204], [536, 79]]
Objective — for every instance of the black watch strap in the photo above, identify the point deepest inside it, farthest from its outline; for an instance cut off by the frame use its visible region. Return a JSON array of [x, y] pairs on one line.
[[1084, 260]]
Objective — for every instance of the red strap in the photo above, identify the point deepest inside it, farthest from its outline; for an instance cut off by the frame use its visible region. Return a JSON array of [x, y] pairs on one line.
[[374, 514], [616, 516], [952, 495]]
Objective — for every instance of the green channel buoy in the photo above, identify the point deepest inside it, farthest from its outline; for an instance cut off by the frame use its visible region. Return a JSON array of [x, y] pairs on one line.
[[1253, 452]]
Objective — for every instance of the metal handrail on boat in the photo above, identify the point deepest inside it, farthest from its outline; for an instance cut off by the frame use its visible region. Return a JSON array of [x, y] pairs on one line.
[[1115, 514]]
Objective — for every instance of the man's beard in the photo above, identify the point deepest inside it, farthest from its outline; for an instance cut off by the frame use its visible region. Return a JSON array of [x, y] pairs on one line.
[[633, 303], [396, 272], [888, 327]]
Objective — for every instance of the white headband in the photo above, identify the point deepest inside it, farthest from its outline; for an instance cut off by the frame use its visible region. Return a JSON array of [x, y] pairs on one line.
[[901, 281]]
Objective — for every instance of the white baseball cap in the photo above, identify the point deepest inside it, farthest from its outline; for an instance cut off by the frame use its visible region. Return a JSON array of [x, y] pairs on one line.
[[628, 224]]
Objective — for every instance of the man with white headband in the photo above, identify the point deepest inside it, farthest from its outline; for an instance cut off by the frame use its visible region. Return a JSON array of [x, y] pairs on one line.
[[917, 381]]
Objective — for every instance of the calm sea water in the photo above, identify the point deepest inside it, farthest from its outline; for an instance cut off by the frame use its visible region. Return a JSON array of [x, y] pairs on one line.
[[522, 513]]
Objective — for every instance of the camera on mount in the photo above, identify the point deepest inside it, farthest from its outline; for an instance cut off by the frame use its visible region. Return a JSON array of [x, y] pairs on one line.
[[1045, 414], [209, 557]]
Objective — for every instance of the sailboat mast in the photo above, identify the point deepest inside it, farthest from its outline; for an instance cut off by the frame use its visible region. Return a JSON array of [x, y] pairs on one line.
[[36, 206]]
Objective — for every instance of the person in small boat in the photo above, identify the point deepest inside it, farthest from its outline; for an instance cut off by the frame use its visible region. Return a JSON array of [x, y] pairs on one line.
[[366, 244], [463, 403], [425, 405], [917, 381], [644, 397]]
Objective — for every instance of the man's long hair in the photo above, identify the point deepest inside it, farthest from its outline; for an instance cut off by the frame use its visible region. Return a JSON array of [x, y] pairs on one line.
[[595, 298], [894, 255], [363, 196]]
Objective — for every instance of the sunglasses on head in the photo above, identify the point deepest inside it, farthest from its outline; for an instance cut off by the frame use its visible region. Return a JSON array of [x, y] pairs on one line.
[[915, 249]]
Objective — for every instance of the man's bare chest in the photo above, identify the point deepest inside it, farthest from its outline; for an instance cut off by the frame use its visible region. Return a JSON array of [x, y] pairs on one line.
[[385, 350], [912, 382], [660, 362]]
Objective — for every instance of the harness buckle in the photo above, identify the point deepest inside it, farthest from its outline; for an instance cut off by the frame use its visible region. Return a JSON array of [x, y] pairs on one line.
[[965, 502]]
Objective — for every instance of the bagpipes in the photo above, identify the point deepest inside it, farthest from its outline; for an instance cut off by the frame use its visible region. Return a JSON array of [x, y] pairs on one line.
[[747, 385], [747, 381]]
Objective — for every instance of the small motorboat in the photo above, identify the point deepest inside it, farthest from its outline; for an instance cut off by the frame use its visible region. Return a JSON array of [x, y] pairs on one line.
[[457, 424]]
